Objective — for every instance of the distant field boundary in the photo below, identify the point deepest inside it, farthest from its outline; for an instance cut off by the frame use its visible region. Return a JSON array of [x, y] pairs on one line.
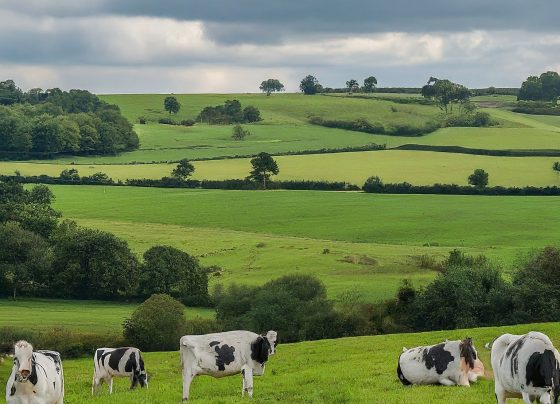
[[482, 152]]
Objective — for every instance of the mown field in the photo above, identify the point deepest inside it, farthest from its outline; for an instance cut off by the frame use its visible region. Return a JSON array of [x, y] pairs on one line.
[[348, 370], [352, 241], [416, 167], [80, 315]]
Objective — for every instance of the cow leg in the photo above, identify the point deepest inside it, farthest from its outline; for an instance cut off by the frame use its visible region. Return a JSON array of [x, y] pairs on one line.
[[244, 384], [447, 382], [133, 381], [188, 376], [95, 384], [545, 398], [248, 381], [526, 398], [110, 384]]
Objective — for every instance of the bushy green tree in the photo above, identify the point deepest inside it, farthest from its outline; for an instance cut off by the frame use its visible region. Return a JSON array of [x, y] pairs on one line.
[[183, 170], [309, 85], [173, 272], [369, 84], [157, 324], [352, 85], [445, 93], [171, 104], [479, 178], [545, 87], [271, 85], [239, 133], [264, 166]]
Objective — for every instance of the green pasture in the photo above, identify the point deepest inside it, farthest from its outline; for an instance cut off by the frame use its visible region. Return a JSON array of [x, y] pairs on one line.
[[416, 167], [347, 370], [81, 315]]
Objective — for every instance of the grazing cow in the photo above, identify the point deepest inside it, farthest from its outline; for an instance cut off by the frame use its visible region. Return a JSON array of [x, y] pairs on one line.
[[525, 366], [110, 362], [37, 377], [449, 363], [225, 354]]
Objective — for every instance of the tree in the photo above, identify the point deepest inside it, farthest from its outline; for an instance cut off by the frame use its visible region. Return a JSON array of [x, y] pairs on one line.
[[174, 272], [263, 167], [445, 93], [352, 85], [69, 174], [271, 85], [239, 133], [171, 104], [310, 85], [556, 166], [369, 84], [157, 324], [545, 87], [479, 178], [373, 184], [183, 170], [251, 114]]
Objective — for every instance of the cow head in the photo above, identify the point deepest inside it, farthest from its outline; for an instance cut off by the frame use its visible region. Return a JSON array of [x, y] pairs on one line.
[[23, 361], [468, 352], [272, 337]]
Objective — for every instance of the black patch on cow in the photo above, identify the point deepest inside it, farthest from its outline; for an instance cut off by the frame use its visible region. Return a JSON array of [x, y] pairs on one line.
[[214, 343], [260, 349], [54, 385], [115, 357], [542, 370], [130, 365], [437, 357], [13, 389], [400, 374], [225, 356], [513, 353], [33, 376], [468, 352]]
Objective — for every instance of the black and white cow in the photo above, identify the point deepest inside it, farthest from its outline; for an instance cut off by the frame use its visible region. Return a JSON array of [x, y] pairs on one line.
[[111, 362], [525, 366], [225, 354], [449, 363], [37, 377]]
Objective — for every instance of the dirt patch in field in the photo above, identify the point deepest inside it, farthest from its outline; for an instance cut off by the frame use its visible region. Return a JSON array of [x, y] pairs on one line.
[[359, 260]]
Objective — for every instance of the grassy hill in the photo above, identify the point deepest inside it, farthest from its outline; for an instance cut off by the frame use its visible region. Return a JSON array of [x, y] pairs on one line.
[[351, 241], [348, 370]]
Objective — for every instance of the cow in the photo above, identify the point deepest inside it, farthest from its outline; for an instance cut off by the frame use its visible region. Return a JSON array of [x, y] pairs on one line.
[[225, 354], [449, 363], [120, 362], [525, 366], [37, 377]]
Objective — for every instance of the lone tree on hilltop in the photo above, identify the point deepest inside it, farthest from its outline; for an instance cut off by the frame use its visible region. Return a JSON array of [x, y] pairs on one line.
[[263, 167], [445, 93], [310, 85], [479, 178], [352, 85], [171, 105], [183, 170], [369, 84], [271, 85]]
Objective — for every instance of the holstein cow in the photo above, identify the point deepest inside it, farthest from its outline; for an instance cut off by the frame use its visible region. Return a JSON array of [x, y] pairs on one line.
[[525, 366], [449, 363], [225, 354], [111, 362], [37, 377]]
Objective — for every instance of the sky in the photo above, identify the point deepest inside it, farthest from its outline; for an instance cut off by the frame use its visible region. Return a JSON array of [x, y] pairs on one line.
[[225, 46]]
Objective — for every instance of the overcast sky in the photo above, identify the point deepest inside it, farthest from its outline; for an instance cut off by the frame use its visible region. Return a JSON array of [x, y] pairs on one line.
[[192, 46]]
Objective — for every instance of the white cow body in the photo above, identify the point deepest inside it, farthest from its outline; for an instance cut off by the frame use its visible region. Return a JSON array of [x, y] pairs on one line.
[[525, 366], [36, 378], [118, 362], [449, 363], [226, 354]]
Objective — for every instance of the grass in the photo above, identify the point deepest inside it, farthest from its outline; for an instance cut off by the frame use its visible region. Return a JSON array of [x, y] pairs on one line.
[[82, 315], [416, 167], [348, 370]]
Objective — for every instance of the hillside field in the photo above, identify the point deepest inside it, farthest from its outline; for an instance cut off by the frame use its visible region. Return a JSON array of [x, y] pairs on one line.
[[352, 241], [347, 370]]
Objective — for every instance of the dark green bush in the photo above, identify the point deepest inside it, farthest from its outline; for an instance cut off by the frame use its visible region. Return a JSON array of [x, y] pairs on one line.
[[157, 324]]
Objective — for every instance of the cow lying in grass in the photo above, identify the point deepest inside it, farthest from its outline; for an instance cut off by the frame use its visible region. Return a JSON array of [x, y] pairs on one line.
[[449, 363], [111, 362], [37, 377], [224, 354], [526, 366]]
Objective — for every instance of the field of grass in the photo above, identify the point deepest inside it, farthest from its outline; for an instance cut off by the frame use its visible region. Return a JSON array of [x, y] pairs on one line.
[[352, 241], [348, 370], [81, 315], [416, 167]]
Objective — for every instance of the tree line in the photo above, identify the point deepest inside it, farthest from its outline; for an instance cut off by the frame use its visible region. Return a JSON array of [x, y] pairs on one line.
[[41, 256], [43, 124]]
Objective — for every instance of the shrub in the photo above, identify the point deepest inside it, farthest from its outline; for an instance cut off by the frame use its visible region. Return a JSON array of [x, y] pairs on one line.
[[251, 114], [187, 122], [157, 324], [167, 121], [141, 120]]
